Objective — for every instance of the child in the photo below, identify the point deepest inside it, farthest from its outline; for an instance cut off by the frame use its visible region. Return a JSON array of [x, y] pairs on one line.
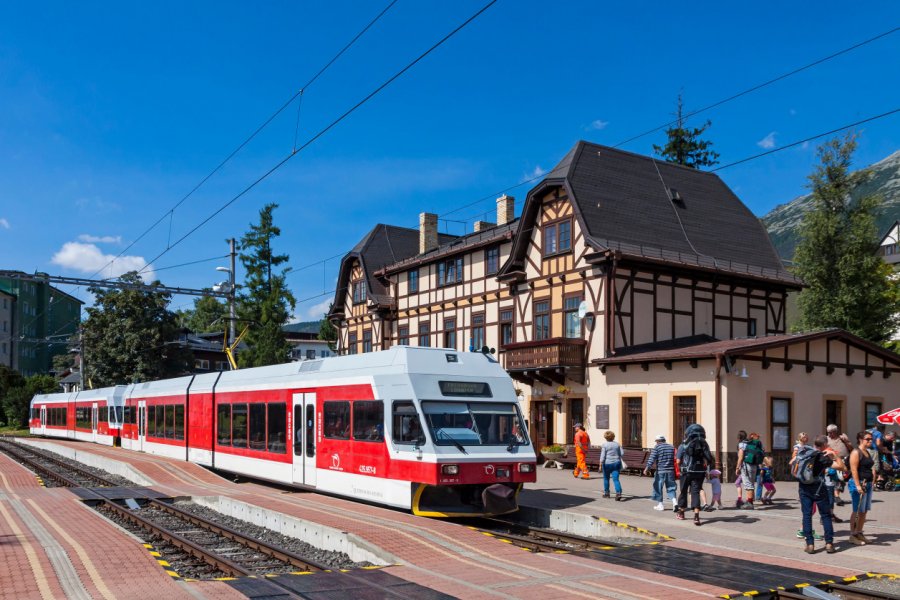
[[768, 481], [716, 483]]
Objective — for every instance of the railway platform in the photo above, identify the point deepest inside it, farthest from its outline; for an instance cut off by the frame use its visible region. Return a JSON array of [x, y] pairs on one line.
[[445, 558]]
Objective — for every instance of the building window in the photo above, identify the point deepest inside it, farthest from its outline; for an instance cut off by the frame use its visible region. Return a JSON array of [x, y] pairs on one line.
[[201, 364], [323, 354], [633, 422], [477, 332], [506, 327], [833, 413], [425, 335], [403, 336], [492, 260], [781, 423], [351, 344], [359, 292], [873, 409], [685, 414], [450, 333], [450, 271], [751, 328], [367, 341], [558, 237], [311, 354], [573, 322], [542, 320], [413, 279]]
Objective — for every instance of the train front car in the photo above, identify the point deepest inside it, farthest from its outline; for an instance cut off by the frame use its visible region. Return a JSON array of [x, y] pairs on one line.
[[468, 433]]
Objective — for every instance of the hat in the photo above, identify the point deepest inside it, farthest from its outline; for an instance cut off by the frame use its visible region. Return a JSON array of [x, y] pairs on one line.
[[660, 438], [577, 425], [831, 427], [714, 472]]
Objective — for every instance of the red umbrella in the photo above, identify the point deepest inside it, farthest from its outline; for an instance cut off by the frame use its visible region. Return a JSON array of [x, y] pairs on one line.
[[891, 417]]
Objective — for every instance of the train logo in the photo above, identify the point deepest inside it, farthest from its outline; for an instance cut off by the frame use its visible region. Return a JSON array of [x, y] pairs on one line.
[[336, 461], [489, 469]]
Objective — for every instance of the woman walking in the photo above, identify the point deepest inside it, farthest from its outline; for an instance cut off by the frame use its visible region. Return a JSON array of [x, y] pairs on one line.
[[611, 463], [695, 460], [862, 465]]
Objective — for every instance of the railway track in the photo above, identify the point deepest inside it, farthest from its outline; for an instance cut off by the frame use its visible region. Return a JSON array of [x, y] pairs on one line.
[[53, 469]]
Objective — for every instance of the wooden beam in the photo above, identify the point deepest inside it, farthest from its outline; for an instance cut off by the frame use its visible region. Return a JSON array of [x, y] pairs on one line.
[[788, 366], [809, 368], [623, 367], [668, 365], [829, 369], [693, 362], [645, 366]]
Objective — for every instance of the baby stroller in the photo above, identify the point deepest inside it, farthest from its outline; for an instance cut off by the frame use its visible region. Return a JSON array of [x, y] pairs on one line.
[[889, 477]]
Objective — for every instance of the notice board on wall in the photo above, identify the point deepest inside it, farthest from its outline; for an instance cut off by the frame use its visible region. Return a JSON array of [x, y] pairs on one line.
[[602, 420]]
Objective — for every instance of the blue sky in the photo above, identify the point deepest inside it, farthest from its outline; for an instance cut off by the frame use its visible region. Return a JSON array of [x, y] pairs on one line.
[[111, 113]]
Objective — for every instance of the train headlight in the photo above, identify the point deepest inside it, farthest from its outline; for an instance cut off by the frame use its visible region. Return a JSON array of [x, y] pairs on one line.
[[526, 468], [450, 469]]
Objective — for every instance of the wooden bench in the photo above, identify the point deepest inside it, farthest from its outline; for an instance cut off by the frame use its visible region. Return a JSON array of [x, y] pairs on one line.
[[635, 458]]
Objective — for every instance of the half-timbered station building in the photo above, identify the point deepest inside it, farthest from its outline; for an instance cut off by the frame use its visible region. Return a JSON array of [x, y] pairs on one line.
[[633, 295]]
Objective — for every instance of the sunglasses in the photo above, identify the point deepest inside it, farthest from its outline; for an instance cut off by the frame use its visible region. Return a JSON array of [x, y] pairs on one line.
[[867, 439]]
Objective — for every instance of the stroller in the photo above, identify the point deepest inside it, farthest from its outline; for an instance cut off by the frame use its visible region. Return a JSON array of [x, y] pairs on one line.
[[889, 477]]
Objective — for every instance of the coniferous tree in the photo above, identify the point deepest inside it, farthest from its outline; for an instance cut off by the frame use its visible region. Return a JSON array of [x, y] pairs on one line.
[[208, 315], [131, 335], [848, 285], [266, 302], [327, 331], [684, 145]]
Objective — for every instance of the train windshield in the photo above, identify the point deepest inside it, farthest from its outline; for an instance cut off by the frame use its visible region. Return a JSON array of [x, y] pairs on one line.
[[475, 423]]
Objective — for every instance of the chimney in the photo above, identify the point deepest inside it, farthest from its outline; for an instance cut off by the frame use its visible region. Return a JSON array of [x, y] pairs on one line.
[[428, 237], [506, 209], [482, 225]]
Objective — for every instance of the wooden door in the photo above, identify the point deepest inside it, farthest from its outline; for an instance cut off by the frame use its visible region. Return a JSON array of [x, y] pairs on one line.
[[541, 424]]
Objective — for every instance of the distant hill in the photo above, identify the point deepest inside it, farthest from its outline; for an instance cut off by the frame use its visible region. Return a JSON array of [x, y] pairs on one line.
[[302, 327], [783, 221]]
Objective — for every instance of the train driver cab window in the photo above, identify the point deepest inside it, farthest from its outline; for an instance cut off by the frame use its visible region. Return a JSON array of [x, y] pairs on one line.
[[336, 418], [368, 420], [406, 425], [223, 414]]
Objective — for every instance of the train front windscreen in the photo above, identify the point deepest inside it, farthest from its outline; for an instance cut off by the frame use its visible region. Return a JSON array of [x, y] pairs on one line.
[[463, 423]]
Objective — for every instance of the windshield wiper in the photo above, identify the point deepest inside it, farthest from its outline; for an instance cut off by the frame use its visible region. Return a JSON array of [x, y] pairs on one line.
[[452, 439]]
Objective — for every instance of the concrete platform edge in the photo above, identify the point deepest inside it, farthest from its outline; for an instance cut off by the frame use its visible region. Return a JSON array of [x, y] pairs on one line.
[[115, 467], [587, 525]]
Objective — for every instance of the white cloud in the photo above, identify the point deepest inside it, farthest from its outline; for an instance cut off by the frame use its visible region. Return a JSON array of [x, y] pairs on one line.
[[100, 239], [535, 173], [767, 142], [4, 223], [598, 124], [88, 258], [317, 311]]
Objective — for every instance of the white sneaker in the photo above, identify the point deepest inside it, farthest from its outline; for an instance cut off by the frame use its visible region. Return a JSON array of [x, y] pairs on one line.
[[659, 507]]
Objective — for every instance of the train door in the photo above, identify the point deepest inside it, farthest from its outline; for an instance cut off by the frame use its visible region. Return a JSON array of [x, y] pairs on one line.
[[141, 424], [42, 429], [304, 425], [94, 417]]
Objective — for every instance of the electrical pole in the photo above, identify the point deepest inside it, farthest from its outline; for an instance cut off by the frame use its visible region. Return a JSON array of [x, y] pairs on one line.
[[81, 356], [231, 294]]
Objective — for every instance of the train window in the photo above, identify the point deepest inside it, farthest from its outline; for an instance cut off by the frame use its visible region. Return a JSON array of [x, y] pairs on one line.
[[239, 425], [151, 421], [277, 427], [161, 421], [474, 423], [258, 426], [119, 414], [407, 428], [337, 420], [128, 415], [310, 431], [368, 420], [170, 421], [224, 424], [179, 421]]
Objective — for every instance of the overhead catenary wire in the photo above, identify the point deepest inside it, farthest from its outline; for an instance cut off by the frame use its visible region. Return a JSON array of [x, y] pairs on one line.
[[324, 130]]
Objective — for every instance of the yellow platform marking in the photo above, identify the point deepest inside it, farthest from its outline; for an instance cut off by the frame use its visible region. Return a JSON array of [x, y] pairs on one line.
[[163, 563], [83, 556]]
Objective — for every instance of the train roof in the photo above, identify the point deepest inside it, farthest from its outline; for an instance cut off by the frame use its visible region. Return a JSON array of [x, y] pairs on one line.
[[113, 394]]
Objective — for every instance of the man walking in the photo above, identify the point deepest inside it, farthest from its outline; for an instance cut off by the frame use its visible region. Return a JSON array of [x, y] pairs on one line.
[[662, 456], [841, 446], [811, 465], [582, 443]]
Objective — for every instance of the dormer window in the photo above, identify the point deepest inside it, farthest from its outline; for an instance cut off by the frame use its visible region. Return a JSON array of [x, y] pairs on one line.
[[558, 237], [359, 292]]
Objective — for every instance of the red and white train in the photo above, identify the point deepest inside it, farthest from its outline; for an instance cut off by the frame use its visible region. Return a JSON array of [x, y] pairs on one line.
[[435, 431]]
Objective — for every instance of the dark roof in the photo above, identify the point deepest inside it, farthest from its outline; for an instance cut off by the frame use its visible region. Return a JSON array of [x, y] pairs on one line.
[[384, 245], [700, 347], [623, 202]]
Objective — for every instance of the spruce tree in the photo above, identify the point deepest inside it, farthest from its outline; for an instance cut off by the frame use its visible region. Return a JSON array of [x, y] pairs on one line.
[[266, 302], [327, 330], [848, 285], [684, 145]]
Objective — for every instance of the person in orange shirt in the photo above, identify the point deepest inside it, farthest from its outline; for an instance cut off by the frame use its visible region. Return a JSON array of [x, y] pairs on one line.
[[582, 443]]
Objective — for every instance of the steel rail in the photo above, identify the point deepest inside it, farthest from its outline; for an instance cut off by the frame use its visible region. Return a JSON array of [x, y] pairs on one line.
[[263, 547], [847, 592], [18, 454], [195, 550], [64, 465], [538, 538]]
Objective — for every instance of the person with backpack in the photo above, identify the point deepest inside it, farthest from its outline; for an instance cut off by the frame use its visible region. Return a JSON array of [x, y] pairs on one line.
[[694, 459], [750, 455], [808, 467]]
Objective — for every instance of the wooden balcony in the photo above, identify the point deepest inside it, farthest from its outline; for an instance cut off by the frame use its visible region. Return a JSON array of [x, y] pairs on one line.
[[548, 361]]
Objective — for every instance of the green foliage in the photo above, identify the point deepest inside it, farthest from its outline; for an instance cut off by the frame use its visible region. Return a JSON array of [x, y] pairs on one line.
[[684, 145], [16, 400], [848, 285], [266, 302], [327, 331], [131, 335], [209, 315]]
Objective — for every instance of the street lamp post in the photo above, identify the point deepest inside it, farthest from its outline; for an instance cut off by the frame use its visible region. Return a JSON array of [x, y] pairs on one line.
[[232, 317]]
